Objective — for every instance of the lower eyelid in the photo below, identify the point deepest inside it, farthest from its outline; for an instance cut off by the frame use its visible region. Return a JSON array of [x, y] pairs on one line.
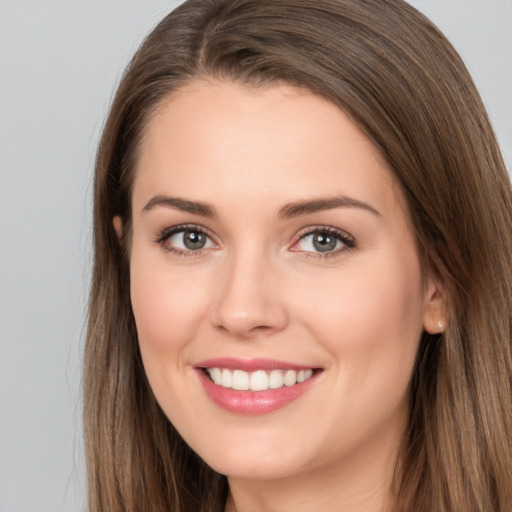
[[323, 255]]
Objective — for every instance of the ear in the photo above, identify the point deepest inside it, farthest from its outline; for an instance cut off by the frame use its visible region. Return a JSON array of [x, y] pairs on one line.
[[118, 226], [434, 313]]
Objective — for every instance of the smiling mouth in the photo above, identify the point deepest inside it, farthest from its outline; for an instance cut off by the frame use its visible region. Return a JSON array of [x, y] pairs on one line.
[[259, 380], [254, 386]]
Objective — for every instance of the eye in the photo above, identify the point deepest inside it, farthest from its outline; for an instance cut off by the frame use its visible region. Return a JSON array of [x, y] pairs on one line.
[[185, 239], [324, 241]]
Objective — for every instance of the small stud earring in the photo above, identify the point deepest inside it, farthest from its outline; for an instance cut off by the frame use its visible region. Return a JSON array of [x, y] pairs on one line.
[[440, 325]]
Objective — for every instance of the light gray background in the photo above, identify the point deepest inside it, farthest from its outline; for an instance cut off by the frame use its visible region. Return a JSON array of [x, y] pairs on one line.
[[59, 63]]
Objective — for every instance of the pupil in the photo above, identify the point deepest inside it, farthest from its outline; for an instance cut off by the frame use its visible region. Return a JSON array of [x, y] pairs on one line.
[[324, 242], [194, 240]]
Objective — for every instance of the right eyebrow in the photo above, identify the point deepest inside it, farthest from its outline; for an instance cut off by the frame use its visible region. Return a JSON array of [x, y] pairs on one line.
[[320, 204], [178, 203]]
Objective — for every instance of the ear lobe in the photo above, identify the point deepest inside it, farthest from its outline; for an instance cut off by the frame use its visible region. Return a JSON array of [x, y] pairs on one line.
[[434, 313], [118, 226]]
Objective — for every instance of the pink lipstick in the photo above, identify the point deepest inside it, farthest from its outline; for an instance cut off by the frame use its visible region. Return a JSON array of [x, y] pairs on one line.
[[255, 386]]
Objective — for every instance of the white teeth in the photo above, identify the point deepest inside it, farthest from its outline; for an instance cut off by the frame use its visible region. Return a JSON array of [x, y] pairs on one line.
[[259, 380], [290, 378], [216, 375], [276, 379], [227, 378], [240, 380]]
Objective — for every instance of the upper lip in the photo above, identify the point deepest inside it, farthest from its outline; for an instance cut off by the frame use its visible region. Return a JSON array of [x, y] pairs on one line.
[[250, 365]]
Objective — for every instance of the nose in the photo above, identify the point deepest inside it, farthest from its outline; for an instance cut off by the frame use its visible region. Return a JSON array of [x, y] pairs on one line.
[[250, 302]]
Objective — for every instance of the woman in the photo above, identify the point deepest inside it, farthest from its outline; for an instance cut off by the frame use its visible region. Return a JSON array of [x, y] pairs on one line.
[[302, 281]]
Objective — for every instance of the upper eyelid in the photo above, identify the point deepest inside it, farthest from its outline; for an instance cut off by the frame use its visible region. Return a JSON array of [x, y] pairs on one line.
[[303, 231], [185, 227], [329, 229]]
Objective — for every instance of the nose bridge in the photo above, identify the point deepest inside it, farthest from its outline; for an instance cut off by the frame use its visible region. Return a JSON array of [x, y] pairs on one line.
[[249, 301]]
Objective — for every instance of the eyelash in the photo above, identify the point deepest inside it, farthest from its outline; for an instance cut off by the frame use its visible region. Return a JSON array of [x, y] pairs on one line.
[[166, 233], [347, 241]]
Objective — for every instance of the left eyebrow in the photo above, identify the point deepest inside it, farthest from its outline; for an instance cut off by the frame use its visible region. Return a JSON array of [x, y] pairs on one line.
[[316, 205], [178, 203]]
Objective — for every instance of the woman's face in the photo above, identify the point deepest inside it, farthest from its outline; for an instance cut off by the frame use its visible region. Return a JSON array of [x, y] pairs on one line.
[[270, 246]]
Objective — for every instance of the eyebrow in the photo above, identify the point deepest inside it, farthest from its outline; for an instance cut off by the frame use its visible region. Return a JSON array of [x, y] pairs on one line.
[[288, 211], [316, 205], [185, 205]]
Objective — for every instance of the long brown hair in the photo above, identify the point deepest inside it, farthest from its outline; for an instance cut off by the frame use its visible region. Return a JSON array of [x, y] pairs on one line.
[[396, 75]]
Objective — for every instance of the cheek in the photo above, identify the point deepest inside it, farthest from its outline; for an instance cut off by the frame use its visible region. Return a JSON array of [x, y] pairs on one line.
[[167, 304], [370, 318]]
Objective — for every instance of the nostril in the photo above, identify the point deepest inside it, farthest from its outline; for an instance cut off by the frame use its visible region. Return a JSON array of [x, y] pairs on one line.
[[245, 330]]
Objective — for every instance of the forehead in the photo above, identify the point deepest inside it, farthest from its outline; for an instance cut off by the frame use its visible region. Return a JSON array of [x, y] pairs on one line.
[[279, 140]]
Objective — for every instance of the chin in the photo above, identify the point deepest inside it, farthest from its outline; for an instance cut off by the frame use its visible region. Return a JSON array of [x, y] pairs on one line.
[[262, 469], [252, 459]]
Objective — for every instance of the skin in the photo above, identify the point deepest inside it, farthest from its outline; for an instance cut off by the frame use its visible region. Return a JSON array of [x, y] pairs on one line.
[[259, 288]]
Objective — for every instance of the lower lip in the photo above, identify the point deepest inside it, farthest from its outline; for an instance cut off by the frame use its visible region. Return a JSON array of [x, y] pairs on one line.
[[253, 402]]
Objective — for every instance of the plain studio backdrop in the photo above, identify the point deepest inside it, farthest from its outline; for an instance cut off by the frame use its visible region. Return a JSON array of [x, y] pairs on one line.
[[60, 61]]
